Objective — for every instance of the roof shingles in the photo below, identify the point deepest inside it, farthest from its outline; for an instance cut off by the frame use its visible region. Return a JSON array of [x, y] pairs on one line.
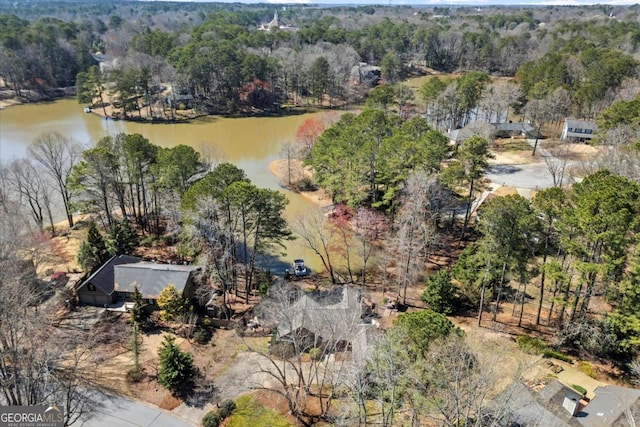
[[150, 278]]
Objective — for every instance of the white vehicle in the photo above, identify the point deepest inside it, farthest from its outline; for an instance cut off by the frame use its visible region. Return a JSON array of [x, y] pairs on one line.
[[299, 268]]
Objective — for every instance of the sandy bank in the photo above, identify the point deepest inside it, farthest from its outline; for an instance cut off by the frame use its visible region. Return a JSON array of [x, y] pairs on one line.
[[279, 169], [4, 103]]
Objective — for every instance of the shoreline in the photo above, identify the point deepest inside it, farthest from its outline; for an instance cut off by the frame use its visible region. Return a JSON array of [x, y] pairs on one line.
[[6, 103], [278, 168], [179, 118]]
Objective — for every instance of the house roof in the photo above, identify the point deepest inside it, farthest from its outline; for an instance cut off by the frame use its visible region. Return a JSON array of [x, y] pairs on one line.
[[609, 406], [580, 124], [477, 128], [361, 341], [461, 134], [151, 278], [330, 316], [526, 410], [102, 279], [514, 127]]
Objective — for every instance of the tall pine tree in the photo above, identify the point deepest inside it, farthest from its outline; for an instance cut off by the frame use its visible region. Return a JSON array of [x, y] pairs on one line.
[[122, 238], [93, 251]]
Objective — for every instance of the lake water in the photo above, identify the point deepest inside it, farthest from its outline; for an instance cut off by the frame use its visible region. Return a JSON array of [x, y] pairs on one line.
[[250, 143]]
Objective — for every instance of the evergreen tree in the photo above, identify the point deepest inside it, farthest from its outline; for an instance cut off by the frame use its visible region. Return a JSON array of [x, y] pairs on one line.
[[423, 327], [440, 292], [135, 373], [93, 252], [139, 315], [468, 169], [510, 229], [176, 366], [122, 238]]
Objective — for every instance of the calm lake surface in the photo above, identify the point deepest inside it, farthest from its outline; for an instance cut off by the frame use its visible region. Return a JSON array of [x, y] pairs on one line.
[[250, 143]]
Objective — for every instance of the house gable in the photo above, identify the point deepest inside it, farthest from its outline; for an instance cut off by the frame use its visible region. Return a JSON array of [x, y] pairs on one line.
[[102, 280], [514, 129]]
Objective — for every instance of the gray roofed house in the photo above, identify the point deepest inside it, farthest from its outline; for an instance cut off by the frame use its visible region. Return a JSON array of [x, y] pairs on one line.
[[612, 406], [117, 279], [482, 129], [489, 131], [365, 74], [322, 317], [525, 410], [98, 289], [458, 135], [515, 129], [578, 130], [151, 278]]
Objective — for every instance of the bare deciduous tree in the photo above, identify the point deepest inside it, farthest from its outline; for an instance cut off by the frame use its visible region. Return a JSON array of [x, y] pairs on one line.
[[556, 159], [620, 159], [414, 231], [210, 156], [315, 334], [620, 135], [448, 114], [318, 237], [290, 153], [218, 261], [369, 227], [354, 409], [496, 99], [42, 363], [404, 96], [389, 368], [58, 154], [457, 384], [483, 130], [547, 110], [32, 190]]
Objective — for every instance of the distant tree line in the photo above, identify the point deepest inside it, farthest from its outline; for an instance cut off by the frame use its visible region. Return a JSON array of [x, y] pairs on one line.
[[215, 59]]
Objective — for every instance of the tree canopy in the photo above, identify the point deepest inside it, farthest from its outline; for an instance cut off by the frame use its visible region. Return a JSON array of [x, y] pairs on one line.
[[376, 151]]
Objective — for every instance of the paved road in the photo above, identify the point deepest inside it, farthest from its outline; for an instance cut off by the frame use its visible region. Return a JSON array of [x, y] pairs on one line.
[[531, 176], [116, 411]]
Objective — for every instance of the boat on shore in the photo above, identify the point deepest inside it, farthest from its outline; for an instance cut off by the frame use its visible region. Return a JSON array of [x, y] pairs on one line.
[[299, 270]]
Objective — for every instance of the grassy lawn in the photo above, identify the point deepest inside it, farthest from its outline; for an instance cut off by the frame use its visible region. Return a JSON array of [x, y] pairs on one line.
[[512, 145], [254, 343], [250, 413]]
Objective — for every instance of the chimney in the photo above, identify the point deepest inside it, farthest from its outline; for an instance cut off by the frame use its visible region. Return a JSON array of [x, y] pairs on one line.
[[571, 404]]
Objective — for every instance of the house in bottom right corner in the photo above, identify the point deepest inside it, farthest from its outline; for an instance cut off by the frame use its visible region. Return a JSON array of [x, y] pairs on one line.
[[613, 406], [558, 405]]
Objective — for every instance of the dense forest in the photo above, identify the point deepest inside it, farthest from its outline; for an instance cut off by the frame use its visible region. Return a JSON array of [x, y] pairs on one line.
[[159, 57]]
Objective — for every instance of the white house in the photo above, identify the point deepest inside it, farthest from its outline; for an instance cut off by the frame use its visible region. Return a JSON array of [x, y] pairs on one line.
[[578, 130]]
